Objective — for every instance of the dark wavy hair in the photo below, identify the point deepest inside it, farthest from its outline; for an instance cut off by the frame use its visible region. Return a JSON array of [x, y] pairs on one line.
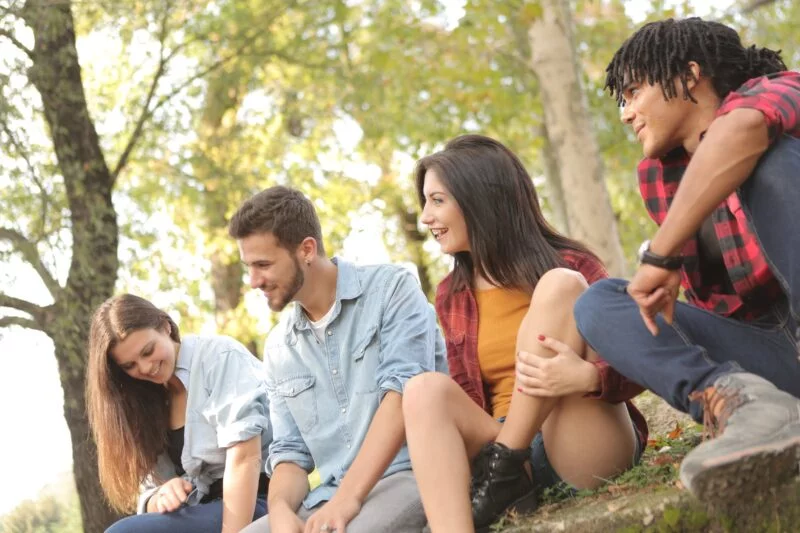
[[661, 51], [510, 241], [129, 417]]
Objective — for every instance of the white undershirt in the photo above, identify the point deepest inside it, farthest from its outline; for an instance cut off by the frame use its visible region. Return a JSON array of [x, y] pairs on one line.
[[318, 327]]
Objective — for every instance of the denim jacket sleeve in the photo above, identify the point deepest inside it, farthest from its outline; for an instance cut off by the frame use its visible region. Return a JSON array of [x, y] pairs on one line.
[[237, 402], [408, 334], [287, 444]]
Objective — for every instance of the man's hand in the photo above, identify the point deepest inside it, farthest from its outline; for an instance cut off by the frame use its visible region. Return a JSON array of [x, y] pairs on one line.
[[655, 290], [169, 496], [335, 514], [283, 520], [565, 373]]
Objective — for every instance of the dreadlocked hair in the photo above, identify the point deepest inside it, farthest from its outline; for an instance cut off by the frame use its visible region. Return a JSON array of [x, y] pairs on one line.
[[661, 51]]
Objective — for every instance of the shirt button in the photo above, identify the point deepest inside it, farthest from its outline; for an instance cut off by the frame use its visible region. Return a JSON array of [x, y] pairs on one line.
[[348, 446], [330, 333], [291, 391], [334, 372], [343, 409]]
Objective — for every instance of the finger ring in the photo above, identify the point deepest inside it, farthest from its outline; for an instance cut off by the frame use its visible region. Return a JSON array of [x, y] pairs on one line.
[[324, 527]]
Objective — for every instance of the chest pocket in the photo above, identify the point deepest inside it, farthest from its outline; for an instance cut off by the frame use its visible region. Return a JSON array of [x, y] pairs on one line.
[[366, 357], [298, 393]]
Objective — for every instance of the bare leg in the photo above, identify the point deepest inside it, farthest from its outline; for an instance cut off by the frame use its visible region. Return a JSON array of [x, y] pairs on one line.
[[587, 440], [444, 430]]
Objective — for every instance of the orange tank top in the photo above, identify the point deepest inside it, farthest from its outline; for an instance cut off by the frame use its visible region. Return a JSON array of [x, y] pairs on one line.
[[500, 313]]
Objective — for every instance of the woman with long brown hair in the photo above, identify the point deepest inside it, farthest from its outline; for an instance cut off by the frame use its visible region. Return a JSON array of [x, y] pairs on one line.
[[182, 423], [508, 305]]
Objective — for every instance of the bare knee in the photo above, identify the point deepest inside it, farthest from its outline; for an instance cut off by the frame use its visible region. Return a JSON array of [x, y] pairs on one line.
[[423, 393], [559, 286]]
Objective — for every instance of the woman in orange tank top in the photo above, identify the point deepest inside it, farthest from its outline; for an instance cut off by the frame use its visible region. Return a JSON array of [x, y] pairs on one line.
[[509, 297]]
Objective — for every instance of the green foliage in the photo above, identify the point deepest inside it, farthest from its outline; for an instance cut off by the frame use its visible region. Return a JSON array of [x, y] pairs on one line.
[[47, 514]]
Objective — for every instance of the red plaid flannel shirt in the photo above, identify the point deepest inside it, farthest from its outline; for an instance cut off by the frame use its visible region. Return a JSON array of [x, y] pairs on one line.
[[778, 97], [458, 315]]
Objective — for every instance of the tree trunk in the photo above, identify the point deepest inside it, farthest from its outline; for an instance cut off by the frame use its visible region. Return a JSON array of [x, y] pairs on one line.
[[56, 74], [568, 124], [555, 190]]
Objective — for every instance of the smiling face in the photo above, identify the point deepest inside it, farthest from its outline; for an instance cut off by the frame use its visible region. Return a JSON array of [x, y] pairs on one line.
[[442, 214], [147, 354], [660, 125], [273, 269]]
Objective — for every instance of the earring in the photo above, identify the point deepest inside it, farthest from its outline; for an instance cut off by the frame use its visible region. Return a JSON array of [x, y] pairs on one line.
[[308, 262]]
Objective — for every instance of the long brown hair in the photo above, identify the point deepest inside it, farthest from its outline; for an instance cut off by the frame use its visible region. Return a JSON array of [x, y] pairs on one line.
[[129, 417], [510, 241]]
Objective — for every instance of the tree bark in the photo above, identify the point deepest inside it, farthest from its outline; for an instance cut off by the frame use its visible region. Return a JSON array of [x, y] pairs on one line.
[[56, 74], [569, 128]]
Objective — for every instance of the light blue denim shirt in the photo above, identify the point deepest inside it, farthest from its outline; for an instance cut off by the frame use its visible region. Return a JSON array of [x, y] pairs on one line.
[[323, 396], [226, 404]]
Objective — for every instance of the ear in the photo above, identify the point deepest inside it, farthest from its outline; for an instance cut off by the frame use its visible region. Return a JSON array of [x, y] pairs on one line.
[[307, 250], [694, 78]]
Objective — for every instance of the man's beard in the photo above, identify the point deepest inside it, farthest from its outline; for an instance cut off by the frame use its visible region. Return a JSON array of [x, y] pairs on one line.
[[294, 287]]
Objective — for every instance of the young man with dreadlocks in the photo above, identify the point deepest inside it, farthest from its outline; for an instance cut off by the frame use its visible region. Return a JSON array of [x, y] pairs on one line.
[[720, 129]]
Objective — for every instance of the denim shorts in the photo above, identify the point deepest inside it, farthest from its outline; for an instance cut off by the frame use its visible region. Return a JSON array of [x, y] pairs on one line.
[[544, 474]]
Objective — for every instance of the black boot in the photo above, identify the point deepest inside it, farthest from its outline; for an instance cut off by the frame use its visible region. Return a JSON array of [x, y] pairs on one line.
[[499, 483]]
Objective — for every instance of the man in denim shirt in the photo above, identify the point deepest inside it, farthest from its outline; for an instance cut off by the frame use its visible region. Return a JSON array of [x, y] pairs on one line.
[[336, 366]]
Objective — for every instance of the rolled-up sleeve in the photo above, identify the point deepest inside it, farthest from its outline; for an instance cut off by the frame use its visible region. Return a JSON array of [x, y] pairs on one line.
[[287, 445], [237, 405], [776, 96], [408, 334]]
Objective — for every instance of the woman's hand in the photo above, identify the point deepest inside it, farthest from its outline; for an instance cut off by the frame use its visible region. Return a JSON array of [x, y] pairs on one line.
[[169, 496], [561, 375], [334, 515]]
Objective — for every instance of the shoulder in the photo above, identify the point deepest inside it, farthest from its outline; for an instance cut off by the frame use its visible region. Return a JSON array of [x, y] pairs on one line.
[[777, 84], [385, 282], [212, 347], [216, 355], [776, 96], [379, 273], [588, 265]]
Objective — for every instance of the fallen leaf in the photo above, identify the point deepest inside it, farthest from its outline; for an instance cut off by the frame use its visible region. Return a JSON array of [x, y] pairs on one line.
[[677, 432]]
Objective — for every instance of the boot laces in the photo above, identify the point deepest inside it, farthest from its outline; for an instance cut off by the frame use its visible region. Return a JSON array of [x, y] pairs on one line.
[[722, 401]]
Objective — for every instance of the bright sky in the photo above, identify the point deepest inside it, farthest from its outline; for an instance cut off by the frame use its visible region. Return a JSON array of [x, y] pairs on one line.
[[35, 444]]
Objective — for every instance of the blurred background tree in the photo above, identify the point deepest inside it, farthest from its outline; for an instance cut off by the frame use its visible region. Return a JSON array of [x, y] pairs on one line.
[[131, 130]]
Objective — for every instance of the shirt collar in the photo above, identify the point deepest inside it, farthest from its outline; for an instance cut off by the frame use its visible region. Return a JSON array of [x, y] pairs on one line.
[[184, 362], [348, 287]]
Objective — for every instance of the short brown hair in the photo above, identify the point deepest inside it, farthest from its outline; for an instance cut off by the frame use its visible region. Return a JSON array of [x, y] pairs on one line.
[[282, 211]]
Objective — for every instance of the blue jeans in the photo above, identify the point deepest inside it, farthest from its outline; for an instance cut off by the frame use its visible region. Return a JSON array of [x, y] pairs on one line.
[[201, 518], [701, 346]]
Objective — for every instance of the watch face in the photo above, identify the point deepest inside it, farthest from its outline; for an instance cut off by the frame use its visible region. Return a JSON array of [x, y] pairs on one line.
[[642, 249]]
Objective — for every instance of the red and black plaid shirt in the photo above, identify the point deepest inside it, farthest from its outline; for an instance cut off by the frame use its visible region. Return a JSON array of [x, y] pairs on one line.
[[458, 315], [778, 97]]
